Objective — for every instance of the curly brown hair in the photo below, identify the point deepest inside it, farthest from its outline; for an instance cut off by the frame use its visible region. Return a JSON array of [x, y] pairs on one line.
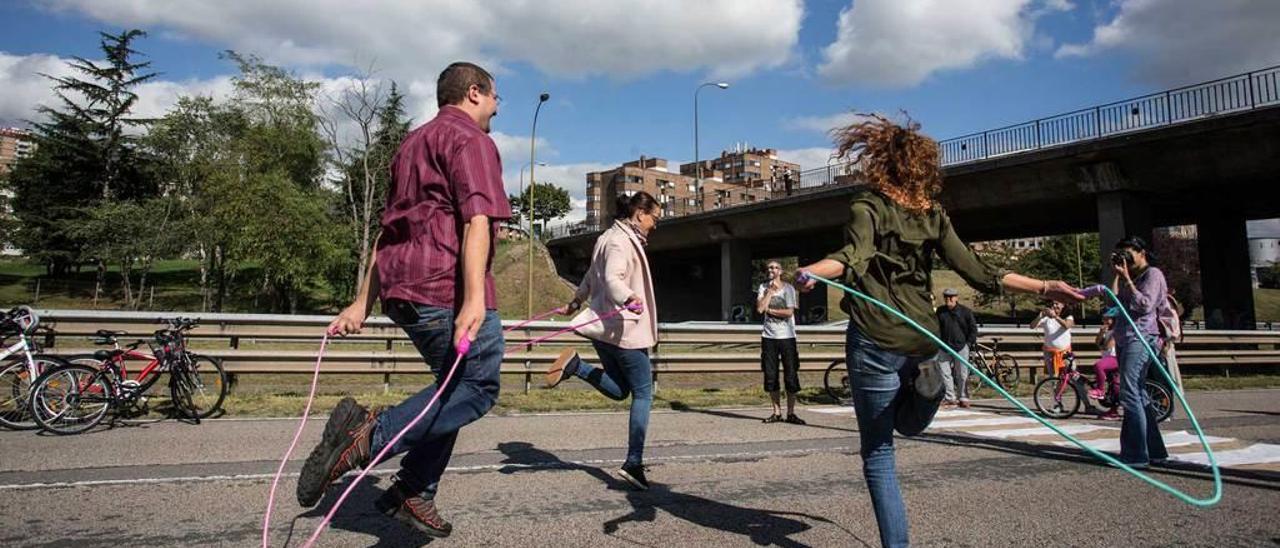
[[896, 160]]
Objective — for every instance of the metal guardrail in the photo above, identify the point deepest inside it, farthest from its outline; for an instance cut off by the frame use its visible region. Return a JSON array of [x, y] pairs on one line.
[[682, 348]]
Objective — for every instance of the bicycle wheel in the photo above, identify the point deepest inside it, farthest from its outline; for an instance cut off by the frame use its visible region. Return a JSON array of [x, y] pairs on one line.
[[16, 380], [1056, 401], [836, 381], [1007, 372], [977, 388], [1161, 400], [71, 399], [198, 386]]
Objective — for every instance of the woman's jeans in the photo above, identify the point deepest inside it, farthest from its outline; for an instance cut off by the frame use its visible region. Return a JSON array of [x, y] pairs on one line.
[[627, 372], [1140, 439], [875, 376]]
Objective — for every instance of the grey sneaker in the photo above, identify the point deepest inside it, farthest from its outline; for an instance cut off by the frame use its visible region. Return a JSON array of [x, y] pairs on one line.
[[413, 510]]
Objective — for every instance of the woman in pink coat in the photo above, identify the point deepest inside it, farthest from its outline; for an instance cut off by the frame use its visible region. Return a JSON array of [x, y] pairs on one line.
[[619, 279]]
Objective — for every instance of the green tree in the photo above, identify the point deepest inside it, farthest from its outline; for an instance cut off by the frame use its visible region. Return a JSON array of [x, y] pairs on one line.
[[1007, 258], [550, 202], [1179, 259], [376, 125], [1072, 258], [87, 151]]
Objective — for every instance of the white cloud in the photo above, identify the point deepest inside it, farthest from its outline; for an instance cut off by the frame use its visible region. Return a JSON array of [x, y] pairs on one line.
[[1183, 41], [26, 89], [1264, 228], [822, 124], [514, 149], [808, 158], [901, 42], [415, 39]]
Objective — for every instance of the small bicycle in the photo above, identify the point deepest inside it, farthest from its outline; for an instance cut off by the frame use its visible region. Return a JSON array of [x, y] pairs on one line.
[[1061, 397]]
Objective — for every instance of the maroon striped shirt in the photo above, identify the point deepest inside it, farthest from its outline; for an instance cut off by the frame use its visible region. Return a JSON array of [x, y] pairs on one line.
[[446, 171]]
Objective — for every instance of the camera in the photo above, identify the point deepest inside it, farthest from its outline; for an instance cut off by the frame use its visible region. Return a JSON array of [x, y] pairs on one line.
[[1122, 257]]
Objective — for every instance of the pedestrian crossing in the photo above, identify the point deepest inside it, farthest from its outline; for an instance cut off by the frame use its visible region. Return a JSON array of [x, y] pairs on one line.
[[1183, 446]]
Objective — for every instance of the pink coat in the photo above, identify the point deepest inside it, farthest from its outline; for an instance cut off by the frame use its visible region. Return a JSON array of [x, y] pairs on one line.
[[619, 269]]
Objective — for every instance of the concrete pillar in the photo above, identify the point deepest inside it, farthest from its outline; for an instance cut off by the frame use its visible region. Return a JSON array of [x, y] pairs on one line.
[[1120, 214], [735, 276], [1225, 278]]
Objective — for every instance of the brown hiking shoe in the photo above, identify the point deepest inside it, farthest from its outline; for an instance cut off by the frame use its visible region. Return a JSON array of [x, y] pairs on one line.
[[344, 447], [413, 510]]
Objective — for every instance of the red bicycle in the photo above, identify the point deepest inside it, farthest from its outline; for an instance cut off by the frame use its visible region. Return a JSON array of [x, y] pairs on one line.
[[75, 398]]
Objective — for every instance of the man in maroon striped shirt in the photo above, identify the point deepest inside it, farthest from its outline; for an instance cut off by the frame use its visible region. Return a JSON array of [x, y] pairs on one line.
[[431, 268]]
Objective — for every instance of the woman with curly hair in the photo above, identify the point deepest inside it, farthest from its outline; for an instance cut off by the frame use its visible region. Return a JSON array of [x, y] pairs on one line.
[[895, 227]]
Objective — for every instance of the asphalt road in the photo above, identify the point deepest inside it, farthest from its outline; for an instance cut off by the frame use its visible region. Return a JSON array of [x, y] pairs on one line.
[[721, 479]]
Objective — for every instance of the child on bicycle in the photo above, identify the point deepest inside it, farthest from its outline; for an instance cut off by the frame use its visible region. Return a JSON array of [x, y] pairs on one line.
[[1107, 365]]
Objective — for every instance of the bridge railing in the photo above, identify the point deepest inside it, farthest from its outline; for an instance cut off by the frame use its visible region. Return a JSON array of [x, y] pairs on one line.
[[1222, 96], [1242, 92]]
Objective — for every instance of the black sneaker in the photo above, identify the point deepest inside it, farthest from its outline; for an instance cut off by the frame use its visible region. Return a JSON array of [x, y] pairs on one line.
[[793, 419], [413, 510], [634, 474], [343, 447], [918, 402], [564, 367], [772, 419]]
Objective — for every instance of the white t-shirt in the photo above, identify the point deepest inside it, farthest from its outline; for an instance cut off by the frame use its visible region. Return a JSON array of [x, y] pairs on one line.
[[1056, 334], [780, 328]]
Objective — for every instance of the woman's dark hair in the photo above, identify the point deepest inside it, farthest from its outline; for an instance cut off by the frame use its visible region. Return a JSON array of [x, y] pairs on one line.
[[1135, 243], [628, 205]]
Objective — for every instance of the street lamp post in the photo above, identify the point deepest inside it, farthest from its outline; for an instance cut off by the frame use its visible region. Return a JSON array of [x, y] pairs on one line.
[[697, 164], [527, 164], [533, 139]]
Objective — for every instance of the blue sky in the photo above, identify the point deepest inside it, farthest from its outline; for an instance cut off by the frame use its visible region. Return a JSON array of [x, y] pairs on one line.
[[622, 73]]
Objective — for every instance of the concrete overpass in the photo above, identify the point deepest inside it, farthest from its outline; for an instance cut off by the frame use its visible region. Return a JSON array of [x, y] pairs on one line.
[[1207, 155]]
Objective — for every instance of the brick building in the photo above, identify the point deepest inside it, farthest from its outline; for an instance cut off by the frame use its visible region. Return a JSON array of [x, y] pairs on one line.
[[15, 144]]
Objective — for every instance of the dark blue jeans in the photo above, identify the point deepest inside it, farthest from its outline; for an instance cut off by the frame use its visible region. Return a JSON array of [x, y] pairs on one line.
[[1140, 439], [875, 376], [627, 372], [471, 393]]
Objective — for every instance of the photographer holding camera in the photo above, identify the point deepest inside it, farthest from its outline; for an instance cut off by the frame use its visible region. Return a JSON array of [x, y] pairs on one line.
[[1145, 296]]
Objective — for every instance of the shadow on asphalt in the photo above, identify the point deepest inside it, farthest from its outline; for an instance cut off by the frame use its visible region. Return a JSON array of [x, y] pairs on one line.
[[359, 516], [761, 527], [677, 405]]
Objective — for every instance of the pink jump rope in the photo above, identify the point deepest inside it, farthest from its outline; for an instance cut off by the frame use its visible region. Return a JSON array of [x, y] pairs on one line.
[[464, 345]]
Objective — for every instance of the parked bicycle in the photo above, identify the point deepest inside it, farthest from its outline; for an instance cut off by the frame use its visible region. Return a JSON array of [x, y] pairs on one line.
[[999, 367], [74, 398], [20, 365], [1061, 397], [836, 382]]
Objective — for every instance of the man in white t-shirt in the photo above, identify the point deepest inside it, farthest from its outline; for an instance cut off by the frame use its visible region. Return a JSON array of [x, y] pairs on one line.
[[777, 302], [1057, 335]]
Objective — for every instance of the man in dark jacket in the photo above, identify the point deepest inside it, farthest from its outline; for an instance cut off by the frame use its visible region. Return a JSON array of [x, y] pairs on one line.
[[957, 328]]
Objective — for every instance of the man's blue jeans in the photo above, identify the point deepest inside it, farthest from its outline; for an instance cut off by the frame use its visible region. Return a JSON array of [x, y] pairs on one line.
[[627, 372], [471, 393], [1140, 439], [875, 376]]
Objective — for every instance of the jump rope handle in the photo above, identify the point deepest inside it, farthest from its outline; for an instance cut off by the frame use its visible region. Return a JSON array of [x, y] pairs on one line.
[[635, 307], [803, 277], [1094, 291], [464, 344]]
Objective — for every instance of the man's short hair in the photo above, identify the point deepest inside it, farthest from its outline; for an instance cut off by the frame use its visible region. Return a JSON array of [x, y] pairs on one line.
[[457, 79]]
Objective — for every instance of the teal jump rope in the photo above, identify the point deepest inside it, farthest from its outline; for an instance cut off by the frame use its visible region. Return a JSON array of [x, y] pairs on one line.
[[1091, 291]]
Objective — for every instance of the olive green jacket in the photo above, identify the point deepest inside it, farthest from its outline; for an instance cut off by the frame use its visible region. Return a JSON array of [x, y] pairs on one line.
[[888, 254]]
